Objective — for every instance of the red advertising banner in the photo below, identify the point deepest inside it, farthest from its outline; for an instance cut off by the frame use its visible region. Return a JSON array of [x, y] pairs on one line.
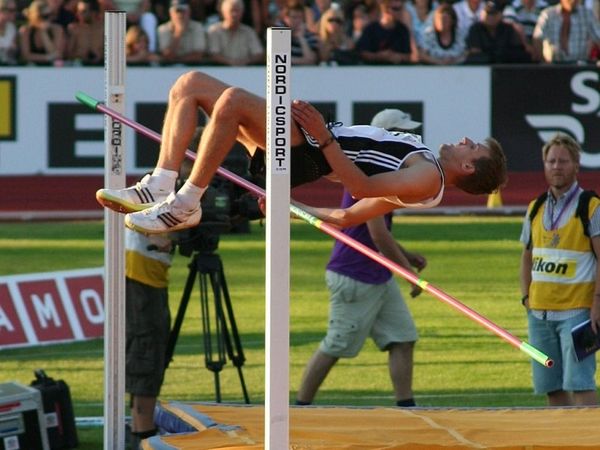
[[45, 308]]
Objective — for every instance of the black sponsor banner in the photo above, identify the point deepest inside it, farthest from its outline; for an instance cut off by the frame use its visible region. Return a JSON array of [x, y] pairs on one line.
[[63, 136], [151, 115], [531, 104]]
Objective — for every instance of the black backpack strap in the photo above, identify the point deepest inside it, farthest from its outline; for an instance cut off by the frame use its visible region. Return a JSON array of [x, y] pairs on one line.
[[534, 210], [583, 209]]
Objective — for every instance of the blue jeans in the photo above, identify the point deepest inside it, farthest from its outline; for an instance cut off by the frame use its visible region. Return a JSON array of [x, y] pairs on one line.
[[554, 339]]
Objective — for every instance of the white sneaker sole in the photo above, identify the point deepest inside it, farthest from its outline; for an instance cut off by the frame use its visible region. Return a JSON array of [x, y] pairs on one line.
[[118, 204]]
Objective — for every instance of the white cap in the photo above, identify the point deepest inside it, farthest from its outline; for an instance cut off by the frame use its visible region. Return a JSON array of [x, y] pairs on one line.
[[394, 119]]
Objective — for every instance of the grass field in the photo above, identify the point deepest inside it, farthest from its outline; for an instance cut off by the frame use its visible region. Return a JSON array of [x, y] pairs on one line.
[[457, 363]]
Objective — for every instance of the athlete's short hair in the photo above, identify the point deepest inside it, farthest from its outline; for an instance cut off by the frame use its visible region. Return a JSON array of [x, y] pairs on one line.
[[490, 172], [566, 141]]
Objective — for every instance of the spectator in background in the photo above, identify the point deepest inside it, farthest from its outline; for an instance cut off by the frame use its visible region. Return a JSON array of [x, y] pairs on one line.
[[160, 8], [273, 13], [365, 299], [60, 14], [137, 47], [360, 20], [595, 50], [388, 40], [86, 34], [181, 40], [314, 11], [232, 43], [253, 16], [41, 41], [8, 32], [564, 33], [525, 13], [443, 42], [468, 13], [107, 5], [421, 14], [556, 302], [143, 17], [493, 41], [336, 46], [305, 44], [205, 11]]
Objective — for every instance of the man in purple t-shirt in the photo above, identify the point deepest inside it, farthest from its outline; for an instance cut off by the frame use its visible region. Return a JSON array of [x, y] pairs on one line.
[[365, 299]]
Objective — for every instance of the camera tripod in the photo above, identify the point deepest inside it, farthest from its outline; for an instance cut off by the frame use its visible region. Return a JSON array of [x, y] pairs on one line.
[[223, 341]]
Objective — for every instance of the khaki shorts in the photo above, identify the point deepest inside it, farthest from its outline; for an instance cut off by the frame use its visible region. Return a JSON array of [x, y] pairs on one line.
[[147, 332], [358, 310]]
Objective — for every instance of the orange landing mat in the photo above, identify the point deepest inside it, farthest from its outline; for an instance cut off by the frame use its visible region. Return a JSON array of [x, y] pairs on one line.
[[336, 428]]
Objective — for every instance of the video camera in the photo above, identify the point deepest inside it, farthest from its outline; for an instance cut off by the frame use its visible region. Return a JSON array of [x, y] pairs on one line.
[[226, 207]]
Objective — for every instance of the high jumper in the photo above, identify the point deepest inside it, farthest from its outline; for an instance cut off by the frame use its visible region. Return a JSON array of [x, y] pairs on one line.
[[386, 170]]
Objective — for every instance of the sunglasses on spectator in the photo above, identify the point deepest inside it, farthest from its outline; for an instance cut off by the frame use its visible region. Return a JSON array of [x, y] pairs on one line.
[[396, 8], [9, 10], [335, 20]]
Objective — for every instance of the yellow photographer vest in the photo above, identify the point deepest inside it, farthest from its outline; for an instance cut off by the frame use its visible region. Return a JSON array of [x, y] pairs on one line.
[[144, 262], [563, 264]]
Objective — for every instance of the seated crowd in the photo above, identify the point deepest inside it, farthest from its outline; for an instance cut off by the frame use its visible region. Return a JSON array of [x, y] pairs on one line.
[[232, 32]]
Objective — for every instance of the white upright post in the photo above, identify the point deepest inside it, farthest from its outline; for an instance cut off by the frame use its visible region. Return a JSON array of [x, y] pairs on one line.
[[114, 236], [277, 240]]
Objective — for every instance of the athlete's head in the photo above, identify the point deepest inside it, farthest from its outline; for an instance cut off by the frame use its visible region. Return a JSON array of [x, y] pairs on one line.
[[481, 167]]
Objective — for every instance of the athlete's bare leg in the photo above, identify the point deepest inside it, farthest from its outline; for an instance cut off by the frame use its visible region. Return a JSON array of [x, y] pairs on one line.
[[235, 114], [191, 91]]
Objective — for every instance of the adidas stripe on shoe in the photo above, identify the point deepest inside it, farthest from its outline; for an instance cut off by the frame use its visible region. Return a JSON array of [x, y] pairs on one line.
[[132, 199], [164, 217]]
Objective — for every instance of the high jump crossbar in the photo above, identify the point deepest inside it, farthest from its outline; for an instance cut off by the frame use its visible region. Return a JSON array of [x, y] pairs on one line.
[[329, 229]]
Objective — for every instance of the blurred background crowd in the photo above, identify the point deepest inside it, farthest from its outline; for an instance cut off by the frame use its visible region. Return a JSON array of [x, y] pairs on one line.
[[351, 32]]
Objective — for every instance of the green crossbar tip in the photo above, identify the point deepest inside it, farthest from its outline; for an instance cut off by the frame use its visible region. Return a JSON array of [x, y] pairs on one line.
[[536, 354], [87, 100]]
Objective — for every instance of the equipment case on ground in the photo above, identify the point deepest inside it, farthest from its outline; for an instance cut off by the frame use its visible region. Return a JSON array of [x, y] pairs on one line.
[[58, 409], [22, 422]]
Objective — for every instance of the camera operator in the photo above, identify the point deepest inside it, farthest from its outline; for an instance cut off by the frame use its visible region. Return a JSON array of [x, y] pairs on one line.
[[148, 259], [148, 319]]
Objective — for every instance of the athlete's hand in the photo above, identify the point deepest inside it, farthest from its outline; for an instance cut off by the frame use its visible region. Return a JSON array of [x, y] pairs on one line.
[[307, 116], [262, 204]]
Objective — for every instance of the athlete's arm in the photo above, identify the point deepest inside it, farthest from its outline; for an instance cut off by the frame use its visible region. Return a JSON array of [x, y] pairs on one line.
[[358, 213], [419, 181]]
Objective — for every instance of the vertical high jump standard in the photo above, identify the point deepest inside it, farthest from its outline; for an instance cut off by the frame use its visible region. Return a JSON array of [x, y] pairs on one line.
[[277, 256], [114, 236]]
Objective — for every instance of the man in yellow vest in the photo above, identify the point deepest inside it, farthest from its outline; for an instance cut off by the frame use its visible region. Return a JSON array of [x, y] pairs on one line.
[[560, 279]]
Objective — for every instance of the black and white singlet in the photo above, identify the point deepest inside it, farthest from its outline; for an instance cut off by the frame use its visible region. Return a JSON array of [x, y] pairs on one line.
[[374, 150]]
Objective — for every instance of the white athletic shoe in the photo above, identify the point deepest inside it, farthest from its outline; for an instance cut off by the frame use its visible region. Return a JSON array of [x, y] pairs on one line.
[[163, 218], [131, 199]]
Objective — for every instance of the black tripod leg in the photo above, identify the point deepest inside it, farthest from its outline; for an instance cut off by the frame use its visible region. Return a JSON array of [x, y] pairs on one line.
[[212, 364], [236, 355], [185, 298]]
